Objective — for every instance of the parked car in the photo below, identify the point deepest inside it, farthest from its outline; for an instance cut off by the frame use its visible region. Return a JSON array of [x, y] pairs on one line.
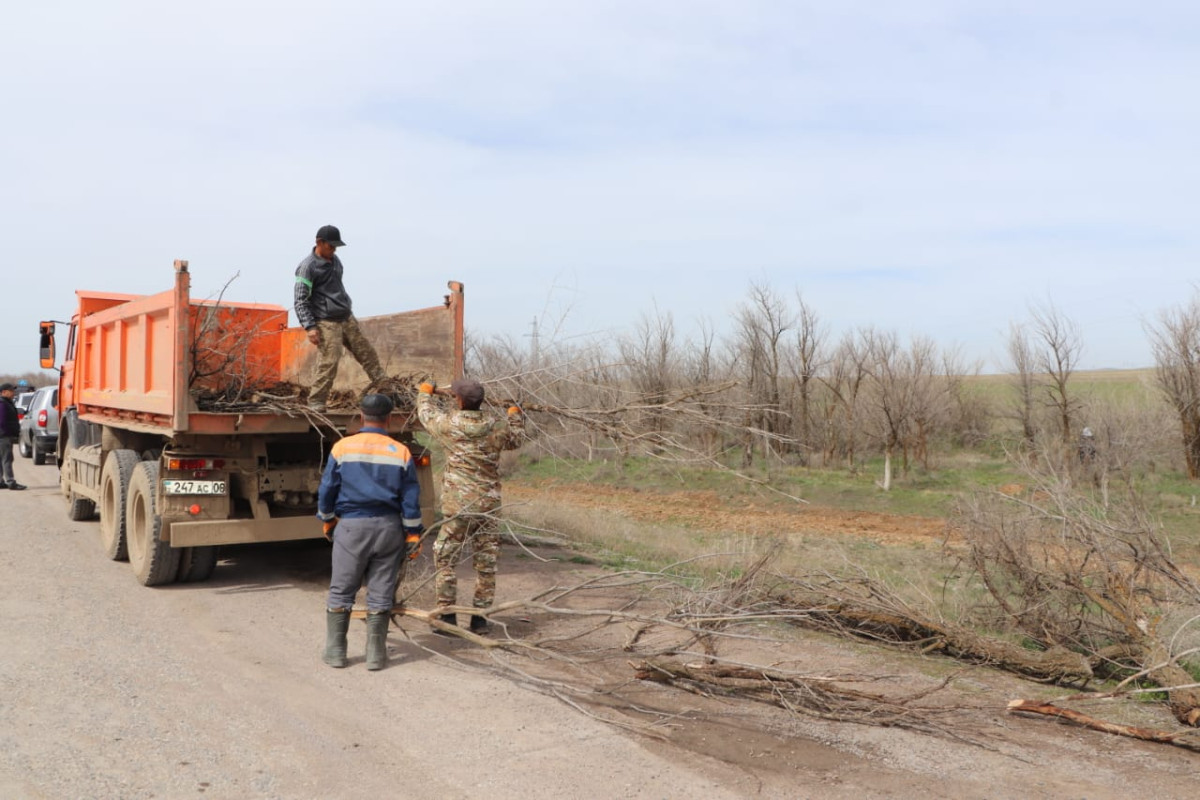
[[39, 427], [22, 403]]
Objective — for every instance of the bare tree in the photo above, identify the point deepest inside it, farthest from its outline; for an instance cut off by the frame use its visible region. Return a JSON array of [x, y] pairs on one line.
[[1059, 354], [762, 321], [844, 379], [1175, 341], [1022, 361], [701, 367], [649, 359], [904, 395], [805, 362]]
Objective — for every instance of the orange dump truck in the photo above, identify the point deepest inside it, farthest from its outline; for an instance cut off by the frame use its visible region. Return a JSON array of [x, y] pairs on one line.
[[173, 429]]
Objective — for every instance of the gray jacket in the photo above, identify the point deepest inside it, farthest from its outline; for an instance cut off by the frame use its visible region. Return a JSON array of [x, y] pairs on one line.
[[320, 294]]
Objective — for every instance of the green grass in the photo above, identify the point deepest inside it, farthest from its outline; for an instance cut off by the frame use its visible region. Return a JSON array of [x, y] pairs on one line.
[[921, 492]]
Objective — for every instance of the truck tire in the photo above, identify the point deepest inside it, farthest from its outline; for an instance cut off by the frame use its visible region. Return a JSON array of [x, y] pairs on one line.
[[154, 561], [196, 563], [78, 508], [114, 491]]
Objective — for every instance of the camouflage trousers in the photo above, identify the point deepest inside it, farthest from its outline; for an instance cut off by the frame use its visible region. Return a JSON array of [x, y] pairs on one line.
[[480, 529], [337, 336]]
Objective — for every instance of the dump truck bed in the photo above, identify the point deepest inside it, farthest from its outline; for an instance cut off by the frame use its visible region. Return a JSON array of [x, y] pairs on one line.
[[164, 363]]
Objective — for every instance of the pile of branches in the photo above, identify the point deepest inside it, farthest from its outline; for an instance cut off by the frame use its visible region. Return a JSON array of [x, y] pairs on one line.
[[1077, 588], [867, 608], [291, 399], [1069, 570], [672, 628]]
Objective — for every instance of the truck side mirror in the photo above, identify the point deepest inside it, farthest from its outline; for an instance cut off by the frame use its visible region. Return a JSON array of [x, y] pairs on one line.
[[47, 344]]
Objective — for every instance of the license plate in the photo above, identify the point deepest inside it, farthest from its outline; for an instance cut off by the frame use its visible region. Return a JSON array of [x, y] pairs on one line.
[[194, 487]]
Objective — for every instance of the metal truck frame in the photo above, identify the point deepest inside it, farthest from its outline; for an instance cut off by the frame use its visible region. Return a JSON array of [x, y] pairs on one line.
[[171, 482]]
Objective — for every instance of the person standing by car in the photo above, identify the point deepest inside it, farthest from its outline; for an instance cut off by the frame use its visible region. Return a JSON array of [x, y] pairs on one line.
[[10, 429], [470, 490], [323, 308], [370, 502]]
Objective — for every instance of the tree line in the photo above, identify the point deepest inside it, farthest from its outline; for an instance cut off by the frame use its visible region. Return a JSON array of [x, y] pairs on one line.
[[779, 389]]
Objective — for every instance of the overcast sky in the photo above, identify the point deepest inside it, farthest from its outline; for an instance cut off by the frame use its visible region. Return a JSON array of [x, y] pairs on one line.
[[929, 167]]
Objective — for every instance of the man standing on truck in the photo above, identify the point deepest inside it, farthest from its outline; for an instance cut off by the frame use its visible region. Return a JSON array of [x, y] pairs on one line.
[[323, 309], [470, 490], [370, 495], [10, 430]]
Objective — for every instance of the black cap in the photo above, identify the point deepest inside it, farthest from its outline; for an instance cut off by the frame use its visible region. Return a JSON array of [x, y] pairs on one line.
[[470, 391], [7, 387], [330, 233], [376, 405]]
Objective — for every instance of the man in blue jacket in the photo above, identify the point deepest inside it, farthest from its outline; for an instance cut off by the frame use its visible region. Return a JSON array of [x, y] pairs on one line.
[[369, 493], [10, 430]]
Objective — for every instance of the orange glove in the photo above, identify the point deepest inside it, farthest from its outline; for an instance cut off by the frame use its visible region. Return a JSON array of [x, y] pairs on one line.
[[412, 545], [427, 388], [514, 410], [327, 528]]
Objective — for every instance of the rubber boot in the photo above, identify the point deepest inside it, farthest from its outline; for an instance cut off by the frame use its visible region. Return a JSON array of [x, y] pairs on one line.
[[337, 622], [377, 628], [480, 625]]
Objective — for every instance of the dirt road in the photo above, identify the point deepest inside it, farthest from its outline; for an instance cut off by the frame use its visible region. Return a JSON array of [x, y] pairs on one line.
[[216, 690], [113, 690]]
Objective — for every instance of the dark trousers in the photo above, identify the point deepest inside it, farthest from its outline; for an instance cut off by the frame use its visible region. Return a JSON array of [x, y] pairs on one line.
[[6, 458]]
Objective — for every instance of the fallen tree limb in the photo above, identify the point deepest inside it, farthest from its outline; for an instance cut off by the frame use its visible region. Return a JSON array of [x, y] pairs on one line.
[[1186, 739], [881, 617], [816, 696]]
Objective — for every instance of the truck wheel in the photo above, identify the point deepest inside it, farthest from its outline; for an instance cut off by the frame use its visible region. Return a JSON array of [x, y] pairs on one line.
[[196, 563], [39, 455], [114, 490], [78, 508], [154, 561]]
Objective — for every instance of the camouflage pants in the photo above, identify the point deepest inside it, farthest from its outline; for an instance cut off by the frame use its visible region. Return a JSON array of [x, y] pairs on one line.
[[337, 336], [481, 530]]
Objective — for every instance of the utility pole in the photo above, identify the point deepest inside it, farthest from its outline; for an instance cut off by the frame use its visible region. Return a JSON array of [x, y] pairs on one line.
[[533, 348]]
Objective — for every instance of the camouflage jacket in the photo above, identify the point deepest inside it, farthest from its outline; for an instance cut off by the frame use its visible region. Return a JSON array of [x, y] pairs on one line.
[[472, 441]]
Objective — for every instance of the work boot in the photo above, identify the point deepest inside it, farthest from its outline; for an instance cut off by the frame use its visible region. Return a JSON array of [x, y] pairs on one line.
[[15, 486], [337, 622], [449, 619], [377, 627], [480, 625], [3, 485]]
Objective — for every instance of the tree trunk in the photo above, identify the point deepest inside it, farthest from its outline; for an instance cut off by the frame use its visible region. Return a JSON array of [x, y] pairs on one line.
[[1184, 703]]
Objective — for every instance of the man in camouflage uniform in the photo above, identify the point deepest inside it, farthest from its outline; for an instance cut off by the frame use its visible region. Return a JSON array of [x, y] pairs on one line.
[[470, 489], [323, 308]]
